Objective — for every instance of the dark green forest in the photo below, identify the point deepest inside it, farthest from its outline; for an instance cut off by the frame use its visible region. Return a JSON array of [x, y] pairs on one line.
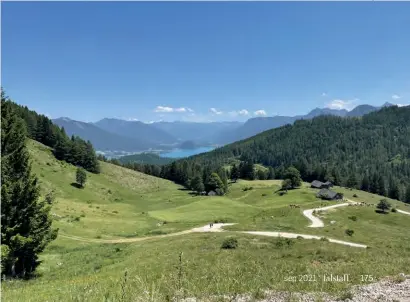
[[73, 150], [371, 153]]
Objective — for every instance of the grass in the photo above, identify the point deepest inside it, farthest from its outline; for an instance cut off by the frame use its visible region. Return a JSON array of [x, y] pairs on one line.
[[120, 203]]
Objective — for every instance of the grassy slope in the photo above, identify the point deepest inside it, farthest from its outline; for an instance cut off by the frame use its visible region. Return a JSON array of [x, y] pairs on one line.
[[78, 271]]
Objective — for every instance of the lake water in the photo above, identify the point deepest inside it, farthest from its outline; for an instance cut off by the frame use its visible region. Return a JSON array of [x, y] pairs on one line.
[[178, 153]]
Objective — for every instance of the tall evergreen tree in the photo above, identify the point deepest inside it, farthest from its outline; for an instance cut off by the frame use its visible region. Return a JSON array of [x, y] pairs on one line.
[[407, 194], [197, 185], [234, 173], [352, 181], [394, 191], [365, 185], [381, 186], [25, 220]]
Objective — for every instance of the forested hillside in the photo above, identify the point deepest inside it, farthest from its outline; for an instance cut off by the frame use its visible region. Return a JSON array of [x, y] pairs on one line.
[[371, 152], [73, 150]]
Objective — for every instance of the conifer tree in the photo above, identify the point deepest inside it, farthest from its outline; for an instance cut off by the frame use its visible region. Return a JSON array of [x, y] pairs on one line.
[[25, 220]]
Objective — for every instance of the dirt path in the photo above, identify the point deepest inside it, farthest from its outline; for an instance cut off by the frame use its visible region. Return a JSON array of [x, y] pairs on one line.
[[304, 236], [217, 227], [317, 222], [403, 212]]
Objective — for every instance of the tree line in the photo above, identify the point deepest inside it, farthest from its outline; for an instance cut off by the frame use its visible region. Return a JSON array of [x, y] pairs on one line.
[[39, 127]]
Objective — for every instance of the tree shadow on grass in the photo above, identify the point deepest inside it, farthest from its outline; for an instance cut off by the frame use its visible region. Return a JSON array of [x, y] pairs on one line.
[[381, 212], [76, 185]]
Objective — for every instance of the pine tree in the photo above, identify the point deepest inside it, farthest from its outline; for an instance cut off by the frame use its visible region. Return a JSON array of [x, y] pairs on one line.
[[271, 174], [234, 173], [25, 220], [197, 185], [351, 181], [394, 190], [365, 185], [407, 194], [381, 186]]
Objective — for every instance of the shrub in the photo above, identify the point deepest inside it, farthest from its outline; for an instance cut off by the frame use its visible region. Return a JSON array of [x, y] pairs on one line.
[[324, 239], [354, 218], [349, 232], [394, 210], [281, 193], [355, 195], [383, 205], [280, 242], [230, 243]]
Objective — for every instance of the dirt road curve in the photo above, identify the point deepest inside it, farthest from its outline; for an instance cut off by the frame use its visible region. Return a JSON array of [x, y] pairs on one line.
[[317, 222]]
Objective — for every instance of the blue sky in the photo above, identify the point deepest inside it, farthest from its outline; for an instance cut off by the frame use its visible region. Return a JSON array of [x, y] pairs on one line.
[[203, 61]]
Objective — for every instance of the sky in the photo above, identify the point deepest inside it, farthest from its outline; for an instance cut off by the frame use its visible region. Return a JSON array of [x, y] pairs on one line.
[[208, 61]]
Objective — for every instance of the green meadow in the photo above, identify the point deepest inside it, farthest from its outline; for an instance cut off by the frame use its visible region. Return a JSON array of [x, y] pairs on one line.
[[120, 203]]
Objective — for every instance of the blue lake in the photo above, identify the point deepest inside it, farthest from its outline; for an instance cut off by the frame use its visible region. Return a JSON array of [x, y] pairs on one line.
[[178, 153]]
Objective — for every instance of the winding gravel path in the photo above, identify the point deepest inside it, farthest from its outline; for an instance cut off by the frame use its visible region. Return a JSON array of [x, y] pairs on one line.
[[218, 227]]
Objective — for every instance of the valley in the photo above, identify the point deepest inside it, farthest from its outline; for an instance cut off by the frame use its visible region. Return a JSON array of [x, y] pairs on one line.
[[123, 206]]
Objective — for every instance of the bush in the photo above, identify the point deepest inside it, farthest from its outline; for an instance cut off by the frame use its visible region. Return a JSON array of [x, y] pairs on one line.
[[355, 195], [221, 220], [349, 232], [324, 239], [230, 243], [354, 218], [394, 210], [281, 193]]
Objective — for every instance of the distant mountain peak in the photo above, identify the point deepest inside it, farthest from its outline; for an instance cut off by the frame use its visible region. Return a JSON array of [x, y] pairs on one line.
[[387, 104]]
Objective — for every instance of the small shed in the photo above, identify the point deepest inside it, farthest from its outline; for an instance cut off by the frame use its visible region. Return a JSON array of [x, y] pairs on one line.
[[327, 184], [329, 195], [320, 185], [211, 193], [316, 184]]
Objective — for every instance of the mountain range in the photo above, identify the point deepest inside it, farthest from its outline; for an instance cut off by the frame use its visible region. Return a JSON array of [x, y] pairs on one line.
[[111, 134]]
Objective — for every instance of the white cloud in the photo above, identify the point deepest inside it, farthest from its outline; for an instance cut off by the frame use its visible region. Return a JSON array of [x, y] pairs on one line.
[[170, 109], [163, 109], [260, 112], [403, 105], [132, 119], [341, 104], [214, 111], [324, 94], [395, 97], [242, 112]]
